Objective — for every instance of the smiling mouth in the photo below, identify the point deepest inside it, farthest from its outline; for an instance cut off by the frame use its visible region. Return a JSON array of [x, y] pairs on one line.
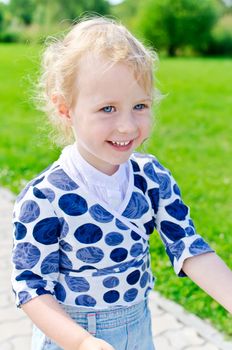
[[120, 143], [123, 145]]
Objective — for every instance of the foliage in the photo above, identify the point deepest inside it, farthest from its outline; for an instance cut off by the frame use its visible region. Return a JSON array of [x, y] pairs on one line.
[[32, 20], [174, 25], [126, 12], [220, 42], [58, 10], [23, 10], [192, 137]]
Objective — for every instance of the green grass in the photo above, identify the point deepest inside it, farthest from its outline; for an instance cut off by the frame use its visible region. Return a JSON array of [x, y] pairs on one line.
[[24, 144], [192, 137]]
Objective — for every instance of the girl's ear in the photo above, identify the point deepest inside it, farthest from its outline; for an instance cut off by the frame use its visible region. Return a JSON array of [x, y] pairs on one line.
[[61, 106]]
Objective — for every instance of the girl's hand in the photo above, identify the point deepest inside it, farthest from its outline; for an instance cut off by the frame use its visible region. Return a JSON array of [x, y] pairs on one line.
[[92, 343]]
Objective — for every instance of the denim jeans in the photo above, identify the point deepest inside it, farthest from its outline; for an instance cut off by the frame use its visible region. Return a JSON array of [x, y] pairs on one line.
[[123, 328]]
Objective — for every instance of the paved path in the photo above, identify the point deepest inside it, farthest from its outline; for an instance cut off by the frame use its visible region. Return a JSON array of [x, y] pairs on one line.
[[173, 328]]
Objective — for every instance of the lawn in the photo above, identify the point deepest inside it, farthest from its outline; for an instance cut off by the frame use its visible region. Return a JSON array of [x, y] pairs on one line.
[[191, 136]]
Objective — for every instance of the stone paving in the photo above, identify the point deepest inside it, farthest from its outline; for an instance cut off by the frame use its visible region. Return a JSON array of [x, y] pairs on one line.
[[173, 327]]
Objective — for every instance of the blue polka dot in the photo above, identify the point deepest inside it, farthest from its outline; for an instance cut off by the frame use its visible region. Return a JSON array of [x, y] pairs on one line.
[[50, 264], [172, 230], [42, 291], [118, 254], [150, 226], [157, 164], [38, 194], [141, 183], [144, 279], [199, 246], [150, 172], [190, 231], [77, 284], [154, 198], [34, 182], [38, 180], [85, 300], [90, 255], [176, 249], [111, 297], [64, 228], [60, 292], [35, 284], [133, 277], [147, 292], [113, 238], [66, 246], [111, 282], [20, 230], [49, 193], [46, 231], [135, 236], [130, 295], [65, 262], [24, 297], [99, 214], [135, 166], [176, 190], [25, 256], [88, 233], [32, 280], [177, 210], [73, 204], [120, 225], [165, 185], [29, 211], [136, 249], [27, 275], [137, 206], [191, 223], [61, 180]]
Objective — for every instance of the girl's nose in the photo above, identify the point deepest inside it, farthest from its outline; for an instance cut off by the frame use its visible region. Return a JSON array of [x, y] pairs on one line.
[[127, 124]]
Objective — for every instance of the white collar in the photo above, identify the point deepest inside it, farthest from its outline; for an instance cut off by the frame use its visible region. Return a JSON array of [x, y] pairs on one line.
[[91, 175]]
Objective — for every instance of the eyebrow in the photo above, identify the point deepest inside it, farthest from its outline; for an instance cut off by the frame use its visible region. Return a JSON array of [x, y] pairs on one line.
[[114, 102]]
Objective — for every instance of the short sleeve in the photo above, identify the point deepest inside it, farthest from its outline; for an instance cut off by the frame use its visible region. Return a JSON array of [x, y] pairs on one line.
[[35, 255], [174, 224]]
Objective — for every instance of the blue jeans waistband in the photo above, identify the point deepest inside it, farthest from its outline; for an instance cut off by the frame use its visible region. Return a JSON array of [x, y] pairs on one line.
[[109, 318]]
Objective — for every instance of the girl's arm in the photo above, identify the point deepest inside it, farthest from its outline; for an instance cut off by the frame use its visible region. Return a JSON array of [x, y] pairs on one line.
[[210, 273], [48, 315]]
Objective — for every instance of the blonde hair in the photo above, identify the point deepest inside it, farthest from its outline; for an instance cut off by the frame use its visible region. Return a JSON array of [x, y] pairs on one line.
[[61, 59]]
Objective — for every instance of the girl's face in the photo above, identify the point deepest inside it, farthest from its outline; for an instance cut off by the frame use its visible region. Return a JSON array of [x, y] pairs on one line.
[[112, 113]]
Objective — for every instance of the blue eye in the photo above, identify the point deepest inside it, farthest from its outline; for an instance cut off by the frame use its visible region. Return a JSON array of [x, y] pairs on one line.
[[108, 109], [140, 106]]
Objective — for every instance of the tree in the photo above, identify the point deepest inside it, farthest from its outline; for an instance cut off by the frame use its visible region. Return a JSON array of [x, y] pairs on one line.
[[23, 9], [176, 24], [1, 18], [57, 10]]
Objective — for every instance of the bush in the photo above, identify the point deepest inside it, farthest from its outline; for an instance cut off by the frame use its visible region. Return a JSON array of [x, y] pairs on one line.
[[221, 38], [175, 25], [10, 37]]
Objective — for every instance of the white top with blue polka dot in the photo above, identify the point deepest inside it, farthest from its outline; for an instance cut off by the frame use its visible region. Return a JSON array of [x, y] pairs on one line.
[[72, 245], [108, 188]]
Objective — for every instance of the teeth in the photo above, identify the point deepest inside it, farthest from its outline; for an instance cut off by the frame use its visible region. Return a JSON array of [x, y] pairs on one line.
[[121, 143]]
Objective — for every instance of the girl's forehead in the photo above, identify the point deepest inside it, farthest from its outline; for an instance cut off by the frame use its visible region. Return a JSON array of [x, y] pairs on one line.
[[100, 70], [98, 65]]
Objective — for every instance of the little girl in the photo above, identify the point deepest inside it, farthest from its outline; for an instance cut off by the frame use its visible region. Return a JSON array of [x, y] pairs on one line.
[[82, 268]]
